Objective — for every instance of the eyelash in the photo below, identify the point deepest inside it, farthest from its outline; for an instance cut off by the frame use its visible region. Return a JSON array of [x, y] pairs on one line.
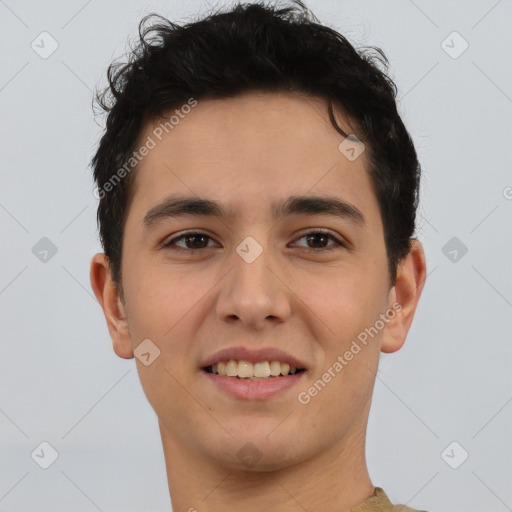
[[338, 243]]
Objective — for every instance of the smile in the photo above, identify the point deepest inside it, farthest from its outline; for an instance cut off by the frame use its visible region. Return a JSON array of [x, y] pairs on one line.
[[262, 370]]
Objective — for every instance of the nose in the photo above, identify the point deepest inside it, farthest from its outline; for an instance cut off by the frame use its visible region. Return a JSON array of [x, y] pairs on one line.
[[254, 292]]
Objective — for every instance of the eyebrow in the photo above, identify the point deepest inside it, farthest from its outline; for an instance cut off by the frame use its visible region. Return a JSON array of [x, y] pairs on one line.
[[179, 206]]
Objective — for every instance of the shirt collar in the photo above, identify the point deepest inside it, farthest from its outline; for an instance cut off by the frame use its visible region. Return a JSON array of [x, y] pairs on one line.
[[377, 502]]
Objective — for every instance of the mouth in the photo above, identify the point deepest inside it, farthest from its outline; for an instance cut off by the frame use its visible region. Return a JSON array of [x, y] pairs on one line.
[[250, 373], [245, 370], [248, 381]]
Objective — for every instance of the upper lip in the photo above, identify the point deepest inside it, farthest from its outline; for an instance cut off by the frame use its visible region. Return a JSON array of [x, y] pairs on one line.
[[252, 355]]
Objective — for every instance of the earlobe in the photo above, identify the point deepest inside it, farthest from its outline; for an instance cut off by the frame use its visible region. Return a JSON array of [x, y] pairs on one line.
[[110, 301], [405, 294]]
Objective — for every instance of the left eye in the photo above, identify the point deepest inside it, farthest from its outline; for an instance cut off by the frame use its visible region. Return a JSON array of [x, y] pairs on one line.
[[319, 237], [311, 237]]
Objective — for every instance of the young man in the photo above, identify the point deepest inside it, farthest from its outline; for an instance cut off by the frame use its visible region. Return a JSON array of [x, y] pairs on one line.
[[258, 193]]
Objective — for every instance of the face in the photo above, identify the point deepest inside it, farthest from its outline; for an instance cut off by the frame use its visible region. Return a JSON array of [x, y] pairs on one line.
[[307, 281]]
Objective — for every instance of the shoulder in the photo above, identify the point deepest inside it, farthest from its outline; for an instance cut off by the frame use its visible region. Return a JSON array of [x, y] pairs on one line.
[[379, 501], [403, 508]]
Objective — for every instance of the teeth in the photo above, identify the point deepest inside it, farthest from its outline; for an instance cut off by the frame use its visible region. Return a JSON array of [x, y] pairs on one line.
[[275, 368], [247, 370], [261, 369], [232, 369]]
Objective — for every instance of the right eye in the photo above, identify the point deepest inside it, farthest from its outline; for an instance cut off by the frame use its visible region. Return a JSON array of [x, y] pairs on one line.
[[191, 237]]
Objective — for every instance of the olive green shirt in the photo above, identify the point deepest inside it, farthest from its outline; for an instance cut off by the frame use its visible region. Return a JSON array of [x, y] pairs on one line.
[[379, 502]]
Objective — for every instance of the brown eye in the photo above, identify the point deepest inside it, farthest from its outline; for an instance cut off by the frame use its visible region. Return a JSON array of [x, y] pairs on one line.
[[193, 240], [319, 239]]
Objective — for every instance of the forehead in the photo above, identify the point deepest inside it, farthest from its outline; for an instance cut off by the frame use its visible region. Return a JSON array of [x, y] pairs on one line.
[[247, 151]]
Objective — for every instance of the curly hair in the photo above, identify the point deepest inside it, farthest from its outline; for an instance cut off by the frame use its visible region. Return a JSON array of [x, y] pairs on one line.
[[256, 47]]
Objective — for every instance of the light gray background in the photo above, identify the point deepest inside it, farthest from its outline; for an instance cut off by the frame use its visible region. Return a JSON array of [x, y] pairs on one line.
[[62, 382]]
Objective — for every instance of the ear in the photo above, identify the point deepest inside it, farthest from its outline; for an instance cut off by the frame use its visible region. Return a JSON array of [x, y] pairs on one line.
[[110, 300], [405, 294]]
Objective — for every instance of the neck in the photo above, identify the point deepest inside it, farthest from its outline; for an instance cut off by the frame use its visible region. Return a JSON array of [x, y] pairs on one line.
[[335, 480]]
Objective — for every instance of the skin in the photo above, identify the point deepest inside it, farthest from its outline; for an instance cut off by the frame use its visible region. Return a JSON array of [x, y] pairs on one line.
[[246, 152]]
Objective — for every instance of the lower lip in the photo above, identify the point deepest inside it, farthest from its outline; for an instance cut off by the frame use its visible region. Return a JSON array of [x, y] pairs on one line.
[[254, 389]]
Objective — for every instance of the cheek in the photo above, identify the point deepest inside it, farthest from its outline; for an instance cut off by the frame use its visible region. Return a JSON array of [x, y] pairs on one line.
[[161, 305], [160, 296], [346, 300]]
